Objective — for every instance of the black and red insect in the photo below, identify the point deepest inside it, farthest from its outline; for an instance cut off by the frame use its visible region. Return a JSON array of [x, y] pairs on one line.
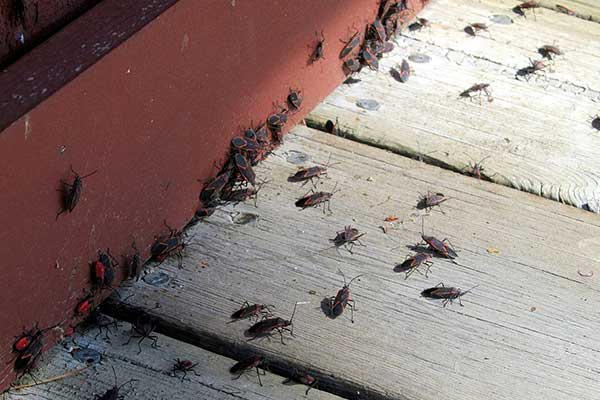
[[441, 247], [252, 311], [103, 270], [184, 366], [248, 364], [245, 144], [430, 200], [448, 294], [347, 238], [214, 188], [352, 44], [268, 325], [294, 99], [167, 246], [377, 30], [419, 24], [114, 393], [143, 328], [476, 168], [525, 6], [532, 69], [71, 192], [401, 73], [596, 122], [243, 194], [338, 303], [85, 305], [26, 359], [244, 168], [303, 378], [25, 339], [315, 199], [548, 51], [319, 50], [309, 174], [412, 264], [97, 320], [352, 65], [368, 58], [473, 29], [477, 89]]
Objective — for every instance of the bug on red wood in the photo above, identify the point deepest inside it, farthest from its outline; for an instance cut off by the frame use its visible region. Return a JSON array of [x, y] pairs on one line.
[[103, 270], [412, 263], [535, 66], [419, 24], [315, 199], [246, 365], [26, 359], [478, 89], [252, 311], [134, 264], [319, 51], [352, 65], [268, 325], [430, 200], [114, 392], [184, 366], [72, 192], [472, 29], [339, 302], [294, 99], [213, 189], [275, 123], [167, 246], [449, 294], [303, 378], [565, 10], [85, 305], [475, 168], [527, 5], [352, 44], [368, 58], [244, 168], [547, 51], [347, 238], [401, 73], [378, 31], [143, 329], [28, 337]]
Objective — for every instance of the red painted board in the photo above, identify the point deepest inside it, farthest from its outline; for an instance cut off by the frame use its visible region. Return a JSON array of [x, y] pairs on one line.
[[152, 116]]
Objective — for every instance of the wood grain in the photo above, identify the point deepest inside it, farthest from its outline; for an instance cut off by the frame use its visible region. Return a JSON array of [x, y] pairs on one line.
[[528, 330], [153, 370], [537, 133]]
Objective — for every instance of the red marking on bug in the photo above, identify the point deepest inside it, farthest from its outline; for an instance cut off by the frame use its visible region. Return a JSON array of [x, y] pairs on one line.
[[448, 294], [268, 325], [247, 364], [315, 199], [472, 29], [352, 44], [338, 303], [412, 263]]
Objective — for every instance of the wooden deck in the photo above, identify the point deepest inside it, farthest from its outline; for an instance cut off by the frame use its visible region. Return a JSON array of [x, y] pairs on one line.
[[528, 329]]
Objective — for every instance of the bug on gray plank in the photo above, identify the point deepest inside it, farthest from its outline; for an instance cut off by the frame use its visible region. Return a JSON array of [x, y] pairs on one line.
[[339, 302], [412, 264], [525, 6], [268, 325], [448, 294], [184, 366], [532, 69], [247, 364], [472, 29], [477, 89], [252, 311], [548, 51], [596, 122], [114, 392], [303, 378], [143, 329], [475, 168], [347, 238], [430, 200]]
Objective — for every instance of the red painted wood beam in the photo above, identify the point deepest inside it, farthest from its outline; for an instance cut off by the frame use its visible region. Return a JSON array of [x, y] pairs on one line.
[[149, 94]]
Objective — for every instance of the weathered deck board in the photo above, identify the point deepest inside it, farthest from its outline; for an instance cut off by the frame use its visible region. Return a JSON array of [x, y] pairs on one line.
[[528, 331], [537, 133], [153, 369]]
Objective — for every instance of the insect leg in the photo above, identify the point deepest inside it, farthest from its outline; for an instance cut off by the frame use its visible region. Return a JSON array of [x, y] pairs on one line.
[[258, 374]]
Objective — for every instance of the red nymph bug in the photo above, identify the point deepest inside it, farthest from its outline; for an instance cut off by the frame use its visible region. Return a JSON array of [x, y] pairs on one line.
[[319, 51], [244, 168], [401, 73], [85, 305], [303, 378], [28, 337], [430, 200], [547, 51], [72, 192], [166, 246], [477, 88], [369, 59], [26, 359], [143, 329], [315, 199], [246, 365], [419, 24], [338, 303], [113, 393], [475, 168], [347, 238], [184, 366], [449, 294], [352, 44], [268, 325], [412, 263], [565, 10], [352, 65], [294, 99], [252, 311], [472, 29], [103, 270]]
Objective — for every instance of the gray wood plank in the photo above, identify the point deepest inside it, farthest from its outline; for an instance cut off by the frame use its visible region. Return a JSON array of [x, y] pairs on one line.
[[153, 370], [527, 331], [537, 134]]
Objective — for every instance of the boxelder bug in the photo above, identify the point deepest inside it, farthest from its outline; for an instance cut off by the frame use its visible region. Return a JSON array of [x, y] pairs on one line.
[[134, 264], [419, 24], [26, 359], [430, 200], [478, 88], [527, 5], [565, 10], [449, 294], [472, 29], [303, 378], [547, 51], [246, 365], [319, 51], [103, 270], [113, 393], [401, 73], [213, 189], [475, 168], [352, 44], [347, 238], [252, 311], [184, 366], [412, 263], [28, 337], [378, 31], [310, 173], [368, 58], [268, 325], [244, 168], [596, 122], [143, 328], [96, 319], [72, 192], [441, 247], [315, 199], [352, 65], [294, 99], [166, 246], [338, 303], [531, 69]]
